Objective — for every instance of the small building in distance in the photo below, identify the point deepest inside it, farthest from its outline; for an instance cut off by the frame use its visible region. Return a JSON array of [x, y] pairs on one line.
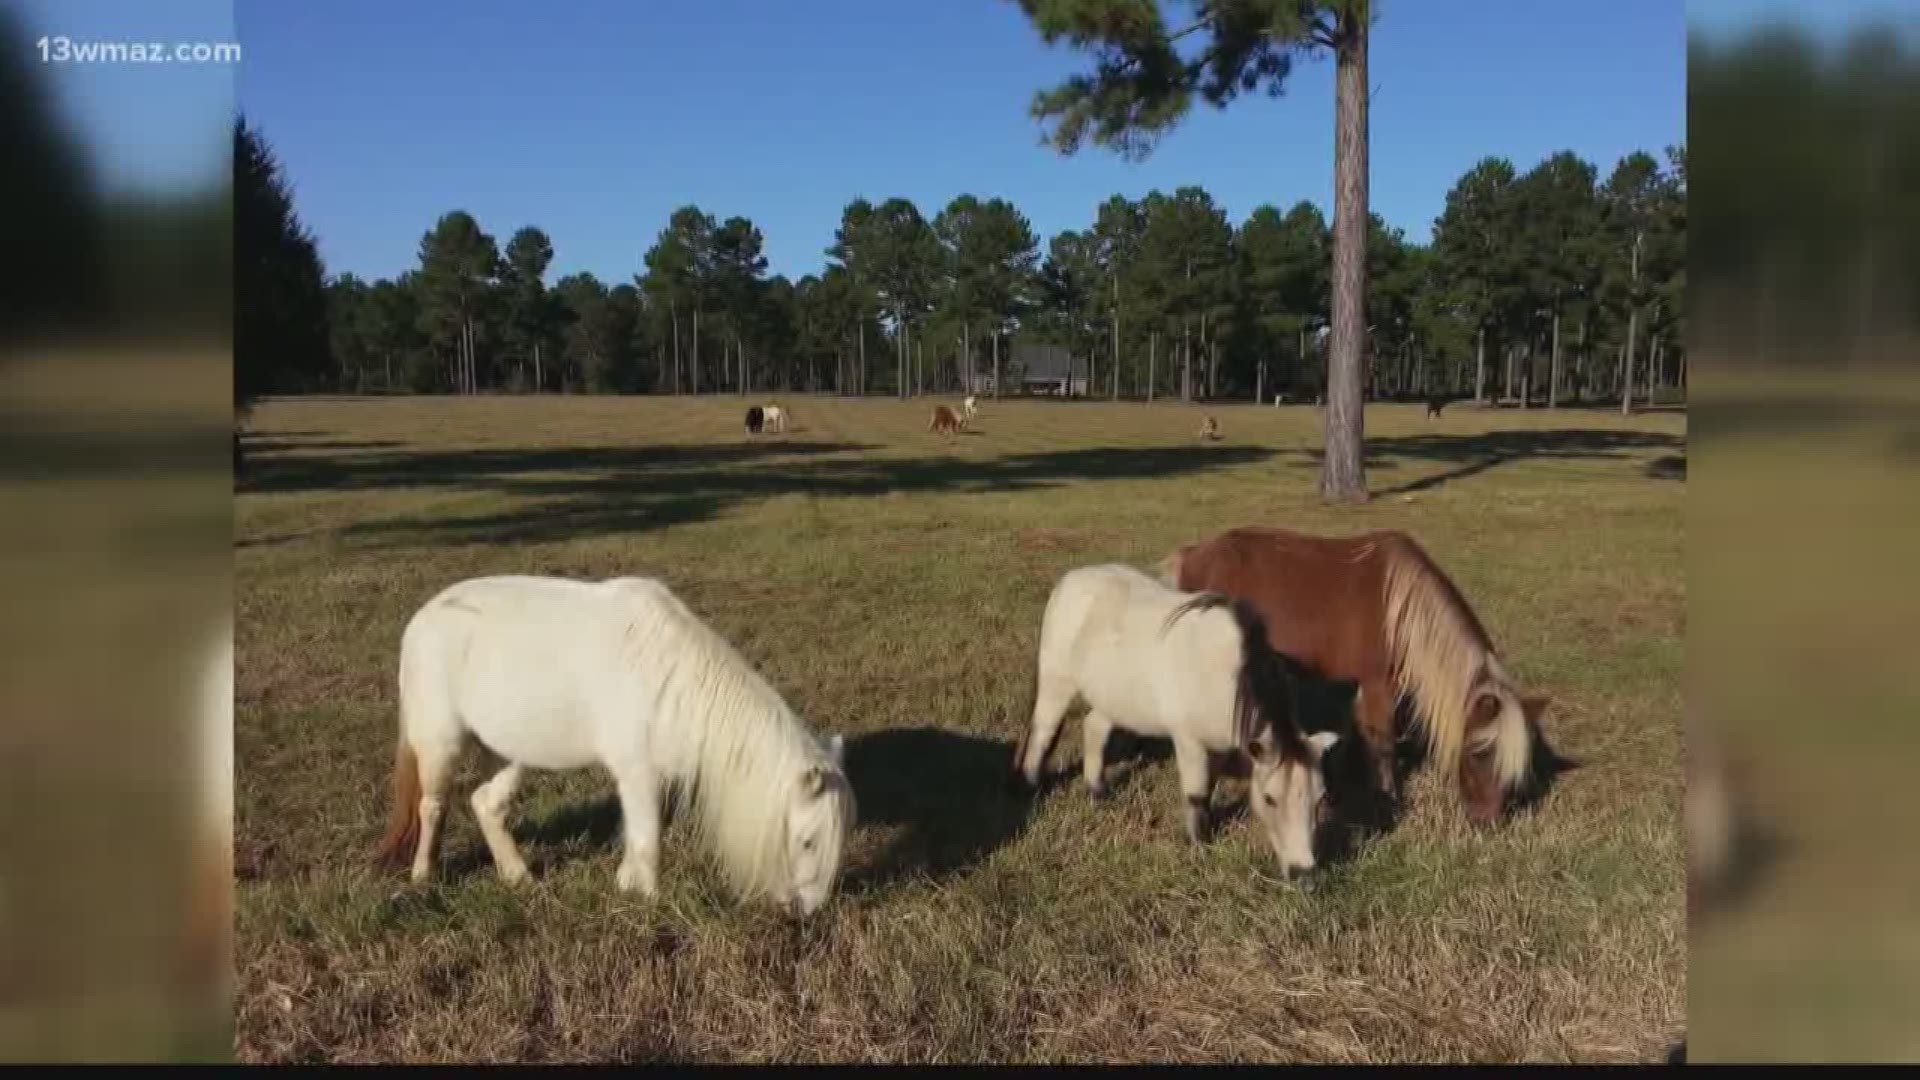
[[1039, 369]]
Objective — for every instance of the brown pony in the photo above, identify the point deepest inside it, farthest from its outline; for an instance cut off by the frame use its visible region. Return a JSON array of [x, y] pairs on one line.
[[1210, 428], [945, 421], [1377, 610]]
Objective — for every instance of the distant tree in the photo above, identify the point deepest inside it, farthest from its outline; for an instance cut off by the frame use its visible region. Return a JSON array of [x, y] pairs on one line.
[[678, 267], [1141, 86], [280, 312], [459, 265], [1186, 257], [1118, 226], [854, 255], [531, 311], [1475, 242], [1559, 249], [737, 269], [992, 255], [1071, 310], [1283, 264]]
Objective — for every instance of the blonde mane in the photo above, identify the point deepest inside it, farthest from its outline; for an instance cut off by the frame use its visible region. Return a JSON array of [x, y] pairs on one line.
[[734, 744], [1439, 653]]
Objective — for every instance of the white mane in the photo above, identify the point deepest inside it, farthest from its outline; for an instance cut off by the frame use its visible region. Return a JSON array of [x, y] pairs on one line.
[[726, 736]]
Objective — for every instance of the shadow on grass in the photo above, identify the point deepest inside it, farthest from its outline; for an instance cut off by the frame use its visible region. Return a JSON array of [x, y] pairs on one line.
[[1668, 467], [1471, 455], [604, 492], [943, 790]]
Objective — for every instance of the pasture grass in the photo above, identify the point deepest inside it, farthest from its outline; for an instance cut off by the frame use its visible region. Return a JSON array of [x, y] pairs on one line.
[[890, 583]]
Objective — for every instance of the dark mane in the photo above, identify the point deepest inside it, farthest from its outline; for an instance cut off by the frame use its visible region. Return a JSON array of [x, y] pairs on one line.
[[1264, 691]]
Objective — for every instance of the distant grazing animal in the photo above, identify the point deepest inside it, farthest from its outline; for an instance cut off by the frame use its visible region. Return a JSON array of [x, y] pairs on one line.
[[1376, 609], [1192, 668], [969, 408], [775, 419], [945, 421], [551, 673], [1210, 428], [1435, 403], [756, 418]]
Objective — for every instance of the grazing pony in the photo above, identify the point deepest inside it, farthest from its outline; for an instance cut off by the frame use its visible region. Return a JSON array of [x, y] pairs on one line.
[[945, 421], [776, 419], [969, 409], [1376, 609], [1435, 403], [551, 673], [1193, 668], [756, 418], [1210, 428]]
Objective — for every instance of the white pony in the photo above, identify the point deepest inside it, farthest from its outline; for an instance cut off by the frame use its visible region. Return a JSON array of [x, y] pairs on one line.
[[775, 419], [561, 674], [1193, 667], [970, 408]]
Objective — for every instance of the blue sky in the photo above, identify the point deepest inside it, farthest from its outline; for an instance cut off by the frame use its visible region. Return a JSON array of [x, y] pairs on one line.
[[594, 119]]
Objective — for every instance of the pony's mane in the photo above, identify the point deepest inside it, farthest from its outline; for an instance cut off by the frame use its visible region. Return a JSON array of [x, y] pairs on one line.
[[1439, 651], [741, 744], [1264, 689]]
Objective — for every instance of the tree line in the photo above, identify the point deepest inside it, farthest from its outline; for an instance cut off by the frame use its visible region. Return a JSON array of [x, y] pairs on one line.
[[1538, 287]]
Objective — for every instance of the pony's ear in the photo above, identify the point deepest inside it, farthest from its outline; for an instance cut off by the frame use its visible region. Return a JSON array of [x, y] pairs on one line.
[[1322, 741], [1534, 705], [837, 750]]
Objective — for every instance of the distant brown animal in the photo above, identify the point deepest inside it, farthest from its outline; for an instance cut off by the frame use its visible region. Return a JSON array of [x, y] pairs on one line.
[[1376, 609], [945, 421], [1210, 428]]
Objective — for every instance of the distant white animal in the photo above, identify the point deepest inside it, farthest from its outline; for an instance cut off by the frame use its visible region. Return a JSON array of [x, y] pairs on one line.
[[970, 408], [560, 674], [775, 419], [1192, 667]]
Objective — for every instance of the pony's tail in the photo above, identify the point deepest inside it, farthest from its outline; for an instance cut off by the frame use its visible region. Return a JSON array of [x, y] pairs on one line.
[[403, 828]]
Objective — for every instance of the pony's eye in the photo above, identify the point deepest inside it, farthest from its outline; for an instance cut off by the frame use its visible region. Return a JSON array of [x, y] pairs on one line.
[[806, 845], [1269, 799]]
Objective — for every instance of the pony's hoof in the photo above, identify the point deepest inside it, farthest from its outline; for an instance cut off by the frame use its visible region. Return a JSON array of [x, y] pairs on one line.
[[1099, 792], [630, 879], [514, 875]]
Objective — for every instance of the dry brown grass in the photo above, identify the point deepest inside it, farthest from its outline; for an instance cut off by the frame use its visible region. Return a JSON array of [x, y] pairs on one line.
[[890, 583]]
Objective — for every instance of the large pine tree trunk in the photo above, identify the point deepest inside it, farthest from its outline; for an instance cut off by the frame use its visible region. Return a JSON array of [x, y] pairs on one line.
[[695, 363], [966, 355], [1116, 337], [1186, 361], [673, 314], [1153, 344], [1633, 331], [1480, 370], [996, 363], [1343, 477], [861, 389], [1653, 368], [1553, 371]]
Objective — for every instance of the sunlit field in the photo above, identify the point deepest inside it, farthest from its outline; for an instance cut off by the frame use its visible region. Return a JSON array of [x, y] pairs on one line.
[[890, 583]]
